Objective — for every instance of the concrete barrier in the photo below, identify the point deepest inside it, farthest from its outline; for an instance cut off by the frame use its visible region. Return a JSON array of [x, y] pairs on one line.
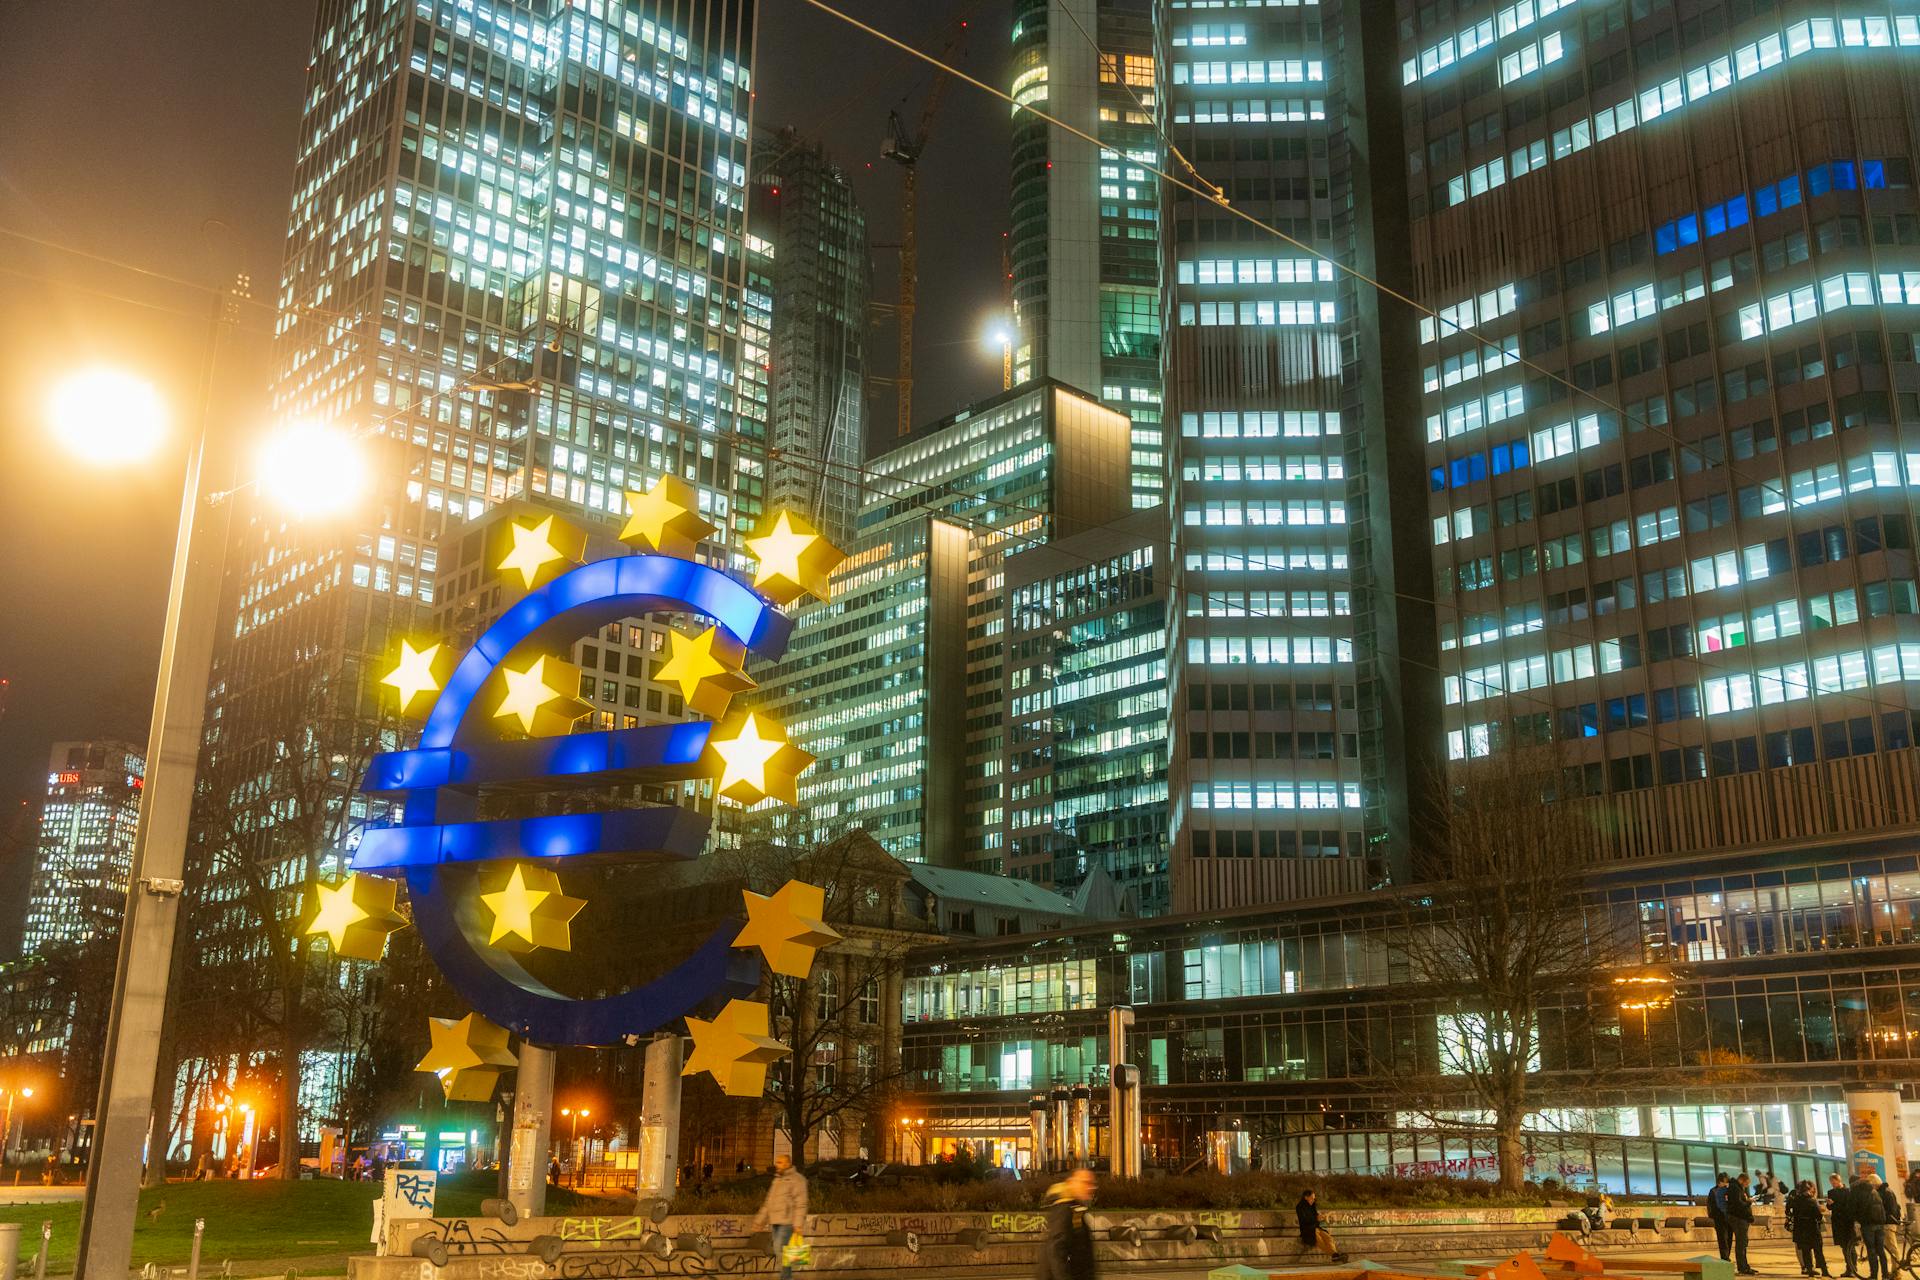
[[879, 1246]]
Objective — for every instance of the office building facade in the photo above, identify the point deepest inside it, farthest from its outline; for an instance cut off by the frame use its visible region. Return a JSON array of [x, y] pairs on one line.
[[1295, 654], [1667, 395], [896, 685], [84, 851], [804, 209], [1086, 710], [517, 266], [1286, 1033], [1085, 219]]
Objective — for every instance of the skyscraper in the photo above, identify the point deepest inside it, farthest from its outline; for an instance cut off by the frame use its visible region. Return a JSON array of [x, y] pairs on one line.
[[804, 209], [1086, 267], [516, 263], [85, 848], [1294, 649], [1086, 709], [1668, 398], [897, 684]]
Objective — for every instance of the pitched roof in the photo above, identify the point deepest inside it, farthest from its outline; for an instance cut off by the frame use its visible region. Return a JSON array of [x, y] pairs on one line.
[[954, 885]]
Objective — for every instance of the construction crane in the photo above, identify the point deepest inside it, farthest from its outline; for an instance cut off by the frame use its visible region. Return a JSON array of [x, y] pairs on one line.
[[905, 150]]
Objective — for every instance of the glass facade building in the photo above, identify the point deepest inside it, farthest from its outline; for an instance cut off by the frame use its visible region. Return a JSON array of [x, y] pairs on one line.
[[1289, 455], [1668, 401], [1086, 710], [1793, 972], [517, 266], [78, 886], [804, 208], [897, 684], [1086, 220]]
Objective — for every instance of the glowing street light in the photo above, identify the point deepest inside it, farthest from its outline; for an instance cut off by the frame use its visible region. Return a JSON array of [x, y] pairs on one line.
[[311, 470], [107, 416], [576, 1115], [6, 1126], [999, 336]]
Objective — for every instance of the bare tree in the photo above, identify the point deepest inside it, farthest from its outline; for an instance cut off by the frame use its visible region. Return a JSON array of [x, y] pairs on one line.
[[843, 1064], [1499, 940]]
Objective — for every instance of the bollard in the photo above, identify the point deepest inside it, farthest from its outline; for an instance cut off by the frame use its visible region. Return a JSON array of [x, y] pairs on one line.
[[46, 1248], [501, 1208], [547, 1248], [9, 1250], [193, 1258], [432, 1248]]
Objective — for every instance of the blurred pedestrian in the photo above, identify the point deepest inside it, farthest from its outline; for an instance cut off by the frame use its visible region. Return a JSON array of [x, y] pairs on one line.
[[1846, 1235], [783, 1211], [1869, 1214], [1803, 1223], [1717, 1210], [1067, 1251], [1740, 1221]]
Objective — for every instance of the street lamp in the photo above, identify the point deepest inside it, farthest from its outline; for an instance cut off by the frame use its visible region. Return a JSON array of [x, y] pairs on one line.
[[575, 1115], [999, 336], [6, 1126], [112, 417]]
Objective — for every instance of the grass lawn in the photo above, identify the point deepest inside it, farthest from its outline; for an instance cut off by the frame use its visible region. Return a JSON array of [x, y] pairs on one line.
[[245, 1220]]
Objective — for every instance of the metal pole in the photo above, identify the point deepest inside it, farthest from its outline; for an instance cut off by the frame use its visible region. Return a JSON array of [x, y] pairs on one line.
[[137, 1016], [46, 1248], [659, 1118], [193, 1258], [532, 1132], [6, 1130]]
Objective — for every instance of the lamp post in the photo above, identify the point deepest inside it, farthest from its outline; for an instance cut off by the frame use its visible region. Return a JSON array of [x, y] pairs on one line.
[[574, 1116], [113, 417], [6, 1126]]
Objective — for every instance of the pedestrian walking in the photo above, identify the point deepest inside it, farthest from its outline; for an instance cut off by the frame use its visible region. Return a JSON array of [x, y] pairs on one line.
[[1870, 1218], [783, 1211], [1717, 1210], [1740, 1221], [1846, 1235], [1803, 1223], [1067, 1251]]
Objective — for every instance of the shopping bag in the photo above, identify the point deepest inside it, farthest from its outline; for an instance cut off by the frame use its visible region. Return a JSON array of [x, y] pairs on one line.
[[797, 1252]]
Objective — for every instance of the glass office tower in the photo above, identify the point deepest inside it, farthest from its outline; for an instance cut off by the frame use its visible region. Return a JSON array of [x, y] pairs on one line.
[[1290, 455], [1083, 254], [516, 264], [78, 888], [1668, 403]]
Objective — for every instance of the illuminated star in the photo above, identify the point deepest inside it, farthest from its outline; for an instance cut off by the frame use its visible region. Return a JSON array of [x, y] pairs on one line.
[[666, 518], [757, 760], [356, 916], [787, 927], [467, 1055], [546, 680], [529, 911], [416, 673], [735, 1048], [537, 548], [706, 668], [794, 560]]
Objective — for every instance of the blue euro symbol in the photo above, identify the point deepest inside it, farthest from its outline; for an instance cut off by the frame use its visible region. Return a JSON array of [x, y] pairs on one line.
[[441, 838]]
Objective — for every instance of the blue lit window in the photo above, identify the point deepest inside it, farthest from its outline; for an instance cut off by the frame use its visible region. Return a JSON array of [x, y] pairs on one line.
[[1737, 212], [1819, 180], [1715, 216], [1875, 173], [1689, 229], [1789, 192], [1664, 239], [1437, 479]]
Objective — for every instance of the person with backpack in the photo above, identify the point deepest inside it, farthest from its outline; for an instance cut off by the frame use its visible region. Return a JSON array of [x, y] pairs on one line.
[[1869, 1214]]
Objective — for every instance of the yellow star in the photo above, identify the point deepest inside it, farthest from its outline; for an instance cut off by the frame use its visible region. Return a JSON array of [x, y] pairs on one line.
[[467, 1055], [707, 669], [757, 760], [529, 911], [539, 549], [546, 680], [735, 1048], [418, 671], [795, 560], [666, 518], [356, 916], [787, 927]]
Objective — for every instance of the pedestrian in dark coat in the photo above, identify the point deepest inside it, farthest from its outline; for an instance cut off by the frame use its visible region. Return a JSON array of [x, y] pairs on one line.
[[1803, 1221], [1307, 1213], [1717, 1210], [1869, 1213], [1067, 1251], [1740, 1219], [1846, 1236]]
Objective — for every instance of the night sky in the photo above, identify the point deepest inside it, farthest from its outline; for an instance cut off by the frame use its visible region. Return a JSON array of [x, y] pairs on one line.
[[162, 136]]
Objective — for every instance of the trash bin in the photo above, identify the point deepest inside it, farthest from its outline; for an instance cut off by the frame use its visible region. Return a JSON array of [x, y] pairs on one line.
[[9, 1250]]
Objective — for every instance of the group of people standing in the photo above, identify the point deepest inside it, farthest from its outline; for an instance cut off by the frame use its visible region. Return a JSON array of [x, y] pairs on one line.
[[1856, 1214]]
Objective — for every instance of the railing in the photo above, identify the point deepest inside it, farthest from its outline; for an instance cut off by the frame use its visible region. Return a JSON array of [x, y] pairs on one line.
[[1631, 1166]]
